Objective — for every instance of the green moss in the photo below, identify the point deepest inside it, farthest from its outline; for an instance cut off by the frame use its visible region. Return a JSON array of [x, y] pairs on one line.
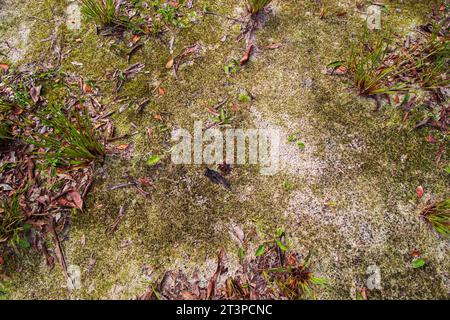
[[350, 204]]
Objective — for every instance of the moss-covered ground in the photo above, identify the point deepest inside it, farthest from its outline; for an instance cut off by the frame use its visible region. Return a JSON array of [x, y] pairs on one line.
[[352, 201]]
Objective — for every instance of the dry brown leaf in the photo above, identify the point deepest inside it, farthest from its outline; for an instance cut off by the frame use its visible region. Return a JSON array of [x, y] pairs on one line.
[[212, 282], [35, 93], [122, 146], [76, 199], [169, 64], [274, 46]]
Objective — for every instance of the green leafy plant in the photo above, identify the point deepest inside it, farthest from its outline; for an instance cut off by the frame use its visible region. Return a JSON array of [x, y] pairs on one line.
[[244, 97], [225, 116], [153, 160], [232, 67], [12, 224], [276, 241], [418, 263], [438, 215], [255, 6], [68, 142], [296, 280]]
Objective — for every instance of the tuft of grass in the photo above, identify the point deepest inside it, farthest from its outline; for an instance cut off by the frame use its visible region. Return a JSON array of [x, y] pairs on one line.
[[255, 6], [369, 73], [102, 12], [295, 282], [4, 130], [438, 215], [12, 224], [378, 68], [68, 142]]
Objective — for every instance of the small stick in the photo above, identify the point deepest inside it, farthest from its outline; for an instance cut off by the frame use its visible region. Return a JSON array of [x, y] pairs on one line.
[[116, 222], [59, 250]]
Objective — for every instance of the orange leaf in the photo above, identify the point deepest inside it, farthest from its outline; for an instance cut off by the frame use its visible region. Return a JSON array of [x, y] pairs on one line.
[[157, 117], [169, 64], [136, 38], [122, 146], [87, 88], [161, 91], [4, 66]]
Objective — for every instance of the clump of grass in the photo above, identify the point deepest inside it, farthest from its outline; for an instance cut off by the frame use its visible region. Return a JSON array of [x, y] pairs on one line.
[[438, 215], [369, 72], [102, 12], [12, 224], [69, 142], [381, 68], [255, 6], [295, 281], [4, 130]]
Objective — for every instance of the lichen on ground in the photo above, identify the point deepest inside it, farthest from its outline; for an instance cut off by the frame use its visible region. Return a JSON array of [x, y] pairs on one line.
[[352, 202]]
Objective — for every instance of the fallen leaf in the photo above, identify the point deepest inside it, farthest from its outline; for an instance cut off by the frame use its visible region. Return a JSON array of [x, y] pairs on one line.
[[35, 93], [133, 70], [2, 261], [122, 146], [247, 55], [212, 282], [419, 191], [4, 66], [415, 254], [431, 139], [153, 160], [274, 46], [169, 64], [188, 295], [396, 99], [157, 117], [87, 88], [136, 38], [238, 232], [161, 91], [217, 178], [76, 199]]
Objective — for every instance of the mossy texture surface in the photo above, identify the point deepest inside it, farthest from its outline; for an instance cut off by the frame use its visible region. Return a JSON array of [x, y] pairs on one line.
[[352, 201]]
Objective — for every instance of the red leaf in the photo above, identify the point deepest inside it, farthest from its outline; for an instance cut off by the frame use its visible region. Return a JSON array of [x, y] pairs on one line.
[[419, 191], [247, 55], [431, 139]]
